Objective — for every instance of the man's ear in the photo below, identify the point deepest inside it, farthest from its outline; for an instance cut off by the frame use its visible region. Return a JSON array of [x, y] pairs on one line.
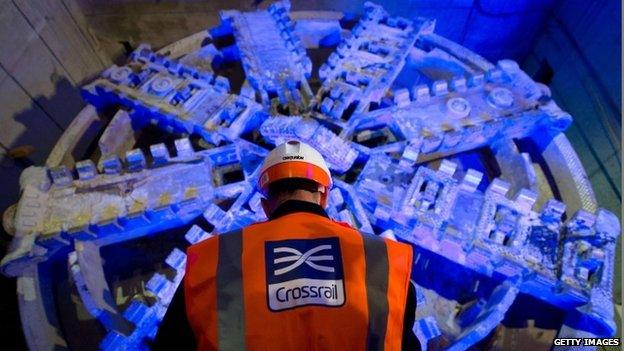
[[266, 207], [324, 196]]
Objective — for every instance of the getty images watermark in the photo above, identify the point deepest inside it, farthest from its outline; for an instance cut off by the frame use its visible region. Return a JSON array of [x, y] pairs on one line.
[[587, 342]]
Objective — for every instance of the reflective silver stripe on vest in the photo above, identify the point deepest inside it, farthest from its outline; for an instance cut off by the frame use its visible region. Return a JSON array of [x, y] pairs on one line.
[[376, 256], [230, 309]]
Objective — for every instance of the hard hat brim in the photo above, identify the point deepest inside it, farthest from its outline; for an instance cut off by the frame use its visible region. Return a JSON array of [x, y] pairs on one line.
[[293, 169]]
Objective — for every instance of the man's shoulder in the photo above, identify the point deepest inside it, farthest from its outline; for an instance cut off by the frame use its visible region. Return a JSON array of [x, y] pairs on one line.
[[344, 224], [388, 241], [374, 237], [212, 239]]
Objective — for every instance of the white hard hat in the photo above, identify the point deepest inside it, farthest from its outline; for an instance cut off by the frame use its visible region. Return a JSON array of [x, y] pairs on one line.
[[293, 159]]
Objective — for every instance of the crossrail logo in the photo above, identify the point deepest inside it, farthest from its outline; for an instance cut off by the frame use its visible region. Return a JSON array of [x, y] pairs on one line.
[[302, 272]]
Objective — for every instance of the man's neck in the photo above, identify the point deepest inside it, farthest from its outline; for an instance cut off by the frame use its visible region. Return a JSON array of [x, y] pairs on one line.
[[300, 195], [294, 206]]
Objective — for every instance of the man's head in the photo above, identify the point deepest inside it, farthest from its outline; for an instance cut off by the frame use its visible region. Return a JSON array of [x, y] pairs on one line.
[[293, 171]]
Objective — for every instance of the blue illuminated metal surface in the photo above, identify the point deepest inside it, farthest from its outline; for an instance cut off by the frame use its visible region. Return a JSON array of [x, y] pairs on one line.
[[412, 163], [273, 57]]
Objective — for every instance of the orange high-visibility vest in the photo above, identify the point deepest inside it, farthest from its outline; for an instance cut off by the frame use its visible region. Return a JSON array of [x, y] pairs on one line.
[[299, 282]]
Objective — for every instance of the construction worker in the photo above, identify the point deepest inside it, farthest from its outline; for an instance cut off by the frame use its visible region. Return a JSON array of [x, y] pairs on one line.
[[299, 281]]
